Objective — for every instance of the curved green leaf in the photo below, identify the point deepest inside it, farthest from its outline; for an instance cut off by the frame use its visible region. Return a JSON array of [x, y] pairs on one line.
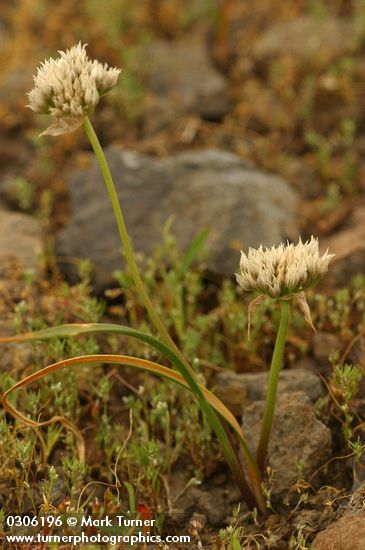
[[71, 330]]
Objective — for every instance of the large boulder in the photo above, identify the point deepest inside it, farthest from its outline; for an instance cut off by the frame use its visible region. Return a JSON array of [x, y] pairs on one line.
[[211, 189]]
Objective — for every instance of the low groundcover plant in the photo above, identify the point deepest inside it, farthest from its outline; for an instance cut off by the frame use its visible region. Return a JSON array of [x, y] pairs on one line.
[[68, 89]]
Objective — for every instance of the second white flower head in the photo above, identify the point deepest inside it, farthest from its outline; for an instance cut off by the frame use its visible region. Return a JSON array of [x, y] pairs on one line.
[[69, 88], [283, 270]]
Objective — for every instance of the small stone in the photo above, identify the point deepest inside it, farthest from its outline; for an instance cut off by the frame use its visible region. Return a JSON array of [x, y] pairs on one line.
[[210, 503], [209, 500], [238, 390], [20, 249], [183, 76], [348, 532], [197, 499], [307, 39], [15, 356], [20, 241], [299, 444]]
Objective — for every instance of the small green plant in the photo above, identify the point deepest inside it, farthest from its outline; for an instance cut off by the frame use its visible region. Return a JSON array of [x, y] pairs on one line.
[[47, 489], [23, 192], [234, 537], [345, 385], [74, 471], [298, 540]]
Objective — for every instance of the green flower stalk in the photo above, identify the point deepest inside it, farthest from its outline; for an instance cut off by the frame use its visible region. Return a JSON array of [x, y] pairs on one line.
[[68, 89], [282, 273]]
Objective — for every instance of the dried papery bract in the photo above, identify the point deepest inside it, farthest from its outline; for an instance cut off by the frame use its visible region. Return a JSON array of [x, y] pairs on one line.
[[282, 273], [69, 88]]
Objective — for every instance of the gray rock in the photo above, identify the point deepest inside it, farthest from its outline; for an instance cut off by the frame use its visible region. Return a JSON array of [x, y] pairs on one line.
[[20, 249], [214, 502], [239, 390], [183, 77], [298, 438], [13, 356], [211, 189], [20, 241], [308, 39]]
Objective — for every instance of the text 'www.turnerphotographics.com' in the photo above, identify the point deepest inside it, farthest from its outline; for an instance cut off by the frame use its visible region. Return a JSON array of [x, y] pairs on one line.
[[85, 529]]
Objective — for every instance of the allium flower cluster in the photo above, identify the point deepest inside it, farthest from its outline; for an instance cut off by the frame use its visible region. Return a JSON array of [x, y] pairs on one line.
[[283, 270], [68, 88]]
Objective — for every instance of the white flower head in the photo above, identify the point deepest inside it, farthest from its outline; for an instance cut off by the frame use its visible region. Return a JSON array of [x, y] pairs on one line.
[[282, 270], [69, 88]]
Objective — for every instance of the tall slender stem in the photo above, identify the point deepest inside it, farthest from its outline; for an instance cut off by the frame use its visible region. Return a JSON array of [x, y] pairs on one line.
[[228, 449], [276, 364], [128, 250]]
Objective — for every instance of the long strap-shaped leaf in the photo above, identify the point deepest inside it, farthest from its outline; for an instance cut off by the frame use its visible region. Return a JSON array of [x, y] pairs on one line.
[[69, 330], [65, 331], [142, 364]]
